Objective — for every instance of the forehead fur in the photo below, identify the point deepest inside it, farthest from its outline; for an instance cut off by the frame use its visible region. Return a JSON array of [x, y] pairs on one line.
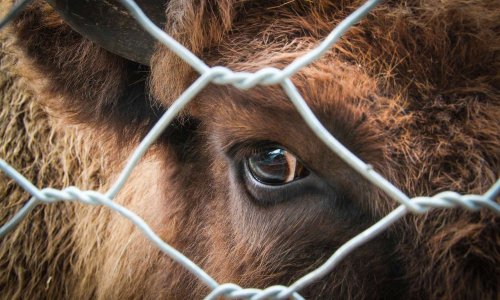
[[339, 96]]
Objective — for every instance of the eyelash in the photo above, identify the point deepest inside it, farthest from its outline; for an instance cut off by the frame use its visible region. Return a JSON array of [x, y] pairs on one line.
[[239, 152], [311, 187], [261, 193]]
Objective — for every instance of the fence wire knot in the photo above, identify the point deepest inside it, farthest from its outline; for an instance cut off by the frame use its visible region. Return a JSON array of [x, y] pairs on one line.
[[234, 291], [247, 80], [450, 199]]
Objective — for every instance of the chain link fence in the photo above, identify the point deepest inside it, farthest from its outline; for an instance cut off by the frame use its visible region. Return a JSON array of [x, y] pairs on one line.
[[244, 80]]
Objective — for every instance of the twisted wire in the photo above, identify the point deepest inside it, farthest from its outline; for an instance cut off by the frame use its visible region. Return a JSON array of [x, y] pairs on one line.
[[14, 12]]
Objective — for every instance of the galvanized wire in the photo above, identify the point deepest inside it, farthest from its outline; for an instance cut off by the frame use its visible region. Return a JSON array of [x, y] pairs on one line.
[[245, 80], [14, 12]]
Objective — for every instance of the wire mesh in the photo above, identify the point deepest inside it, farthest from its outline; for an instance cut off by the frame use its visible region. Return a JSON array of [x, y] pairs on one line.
[[245, 80]]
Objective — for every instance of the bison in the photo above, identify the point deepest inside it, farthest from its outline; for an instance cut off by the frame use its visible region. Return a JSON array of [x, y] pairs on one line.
[[238, 182]]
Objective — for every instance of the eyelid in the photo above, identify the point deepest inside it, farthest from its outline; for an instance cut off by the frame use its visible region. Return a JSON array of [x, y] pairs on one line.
[[240, 151], [263, 194], [275, 166]]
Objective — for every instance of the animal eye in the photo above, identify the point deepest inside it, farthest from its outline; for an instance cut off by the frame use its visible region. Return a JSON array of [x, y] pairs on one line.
[[275, 166]]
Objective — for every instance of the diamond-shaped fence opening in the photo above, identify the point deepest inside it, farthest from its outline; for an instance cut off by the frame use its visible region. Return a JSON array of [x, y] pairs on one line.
[[245, 80]]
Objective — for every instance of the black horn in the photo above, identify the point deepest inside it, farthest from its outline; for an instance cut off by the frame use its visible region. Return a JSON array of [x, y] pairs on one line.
[[110, 25]]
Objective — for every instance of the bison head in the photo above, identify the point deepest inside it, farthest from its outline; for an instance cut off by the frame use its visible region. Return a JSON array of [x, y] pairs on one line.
[[242, 186]]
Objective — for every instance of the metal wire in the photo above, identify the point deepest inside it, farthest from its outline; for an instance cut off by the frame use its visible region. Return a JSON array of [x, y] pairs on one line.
[[14, 12], [245, 80]]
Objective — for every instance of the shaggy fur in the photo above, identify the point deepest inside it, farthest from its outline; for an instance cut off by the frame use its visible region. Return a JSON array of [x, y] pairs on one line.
[[412, 89], [48, 156]]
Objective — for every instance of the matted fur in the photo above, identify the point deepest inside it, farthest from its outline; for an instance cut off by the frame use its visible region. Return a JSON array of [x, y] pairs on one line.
[[412, 89]]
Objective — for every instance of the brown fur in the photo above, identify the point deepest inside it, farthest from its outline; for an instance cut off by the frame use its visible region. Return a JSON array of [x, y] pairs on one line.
[[412, 89]]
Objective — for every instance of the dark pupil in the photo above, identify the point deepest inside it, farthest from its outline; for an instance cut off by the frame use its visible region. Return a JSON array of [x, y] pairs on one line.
[[269, 166]]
